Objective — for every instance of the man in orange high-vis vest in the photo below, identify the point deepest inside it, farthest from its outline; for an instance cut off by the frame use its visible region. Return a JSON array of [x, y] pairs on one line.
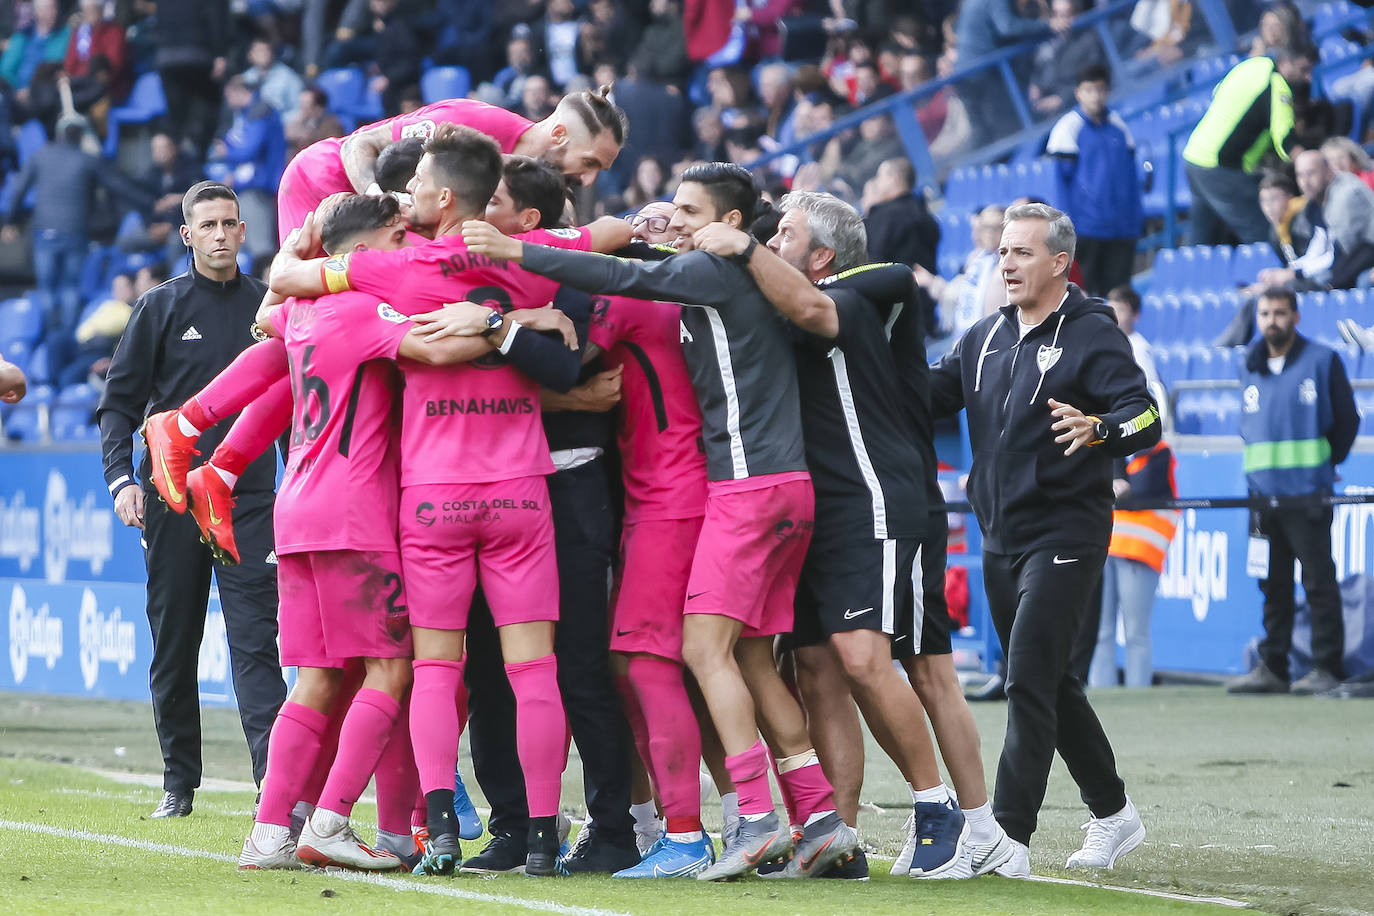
[[1135, 559]]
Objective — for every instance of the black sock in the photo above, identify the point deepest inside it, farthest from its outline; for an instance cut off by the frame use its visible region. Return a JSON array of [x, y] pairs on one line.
[[440, 817], [543, 833]]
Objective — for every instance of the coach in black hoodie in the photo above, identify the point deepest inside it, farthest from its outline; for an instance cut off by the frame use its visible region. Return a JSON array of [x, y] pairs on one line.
[[1053, 394]]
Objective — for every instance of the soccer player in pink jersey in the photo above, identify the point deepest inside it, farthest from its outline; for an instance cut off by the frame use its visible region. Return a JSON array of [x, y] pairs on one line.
[[581, 139], [474, 504], [340, 570], [664, 474]]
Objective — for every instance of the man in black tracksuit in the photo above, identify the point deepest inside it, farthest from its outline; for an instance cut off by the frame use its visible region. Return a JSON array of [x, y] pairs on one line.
[[180, 335], [1053, 394]]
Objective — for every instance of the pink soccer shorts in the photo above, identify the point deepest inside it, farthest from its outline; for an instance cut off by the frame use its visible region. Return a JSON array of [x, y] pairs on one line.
[[750, 553], [651, 586], [500, 534], [341, 604]]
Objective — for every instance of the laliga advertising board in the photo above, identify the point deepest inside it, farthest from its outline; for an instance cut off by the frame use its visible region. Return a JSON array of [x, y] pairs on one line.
[[72, 583], [72, 579]]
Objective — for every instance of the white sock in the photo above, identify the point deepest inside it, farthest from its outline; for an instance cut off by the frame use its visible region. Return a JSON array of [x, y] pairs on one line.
[[817, 815], [982, 826], [395, 842], [691, 836], [229, 479], [939, 794], [755, 817], [644, 813], [729, 806], [185, 426], [269, 836], [326, 822], [910, 788]]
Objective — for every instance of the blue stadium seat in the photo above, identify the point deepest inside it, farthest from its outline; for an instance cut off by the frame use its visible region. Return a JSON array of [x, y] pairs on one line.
[[39, 370], [17, 352], [1249, 260], [345, 87], [1223, 416], [439, 83], [20, 319], [25, 421], [1217, 275], [1333, 14], [1190, 319], [1166, 271], [1364, 402], [1189, 411], [146, 102], [93, 280], [1320, 315], [960, 190]]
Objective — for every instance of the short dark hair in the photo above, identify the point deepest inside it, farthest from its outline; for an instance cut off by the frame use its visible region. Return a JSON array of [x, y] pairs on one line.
[[730, 186], [355, 215], [535, 183], [598, 112], [906, 172], [1280, 292], [202, 191], [1279, 180], [765, 223], [1125, 294], [468, 163], [396, 163], [1094, 74], [1300, 50], [320, 97]]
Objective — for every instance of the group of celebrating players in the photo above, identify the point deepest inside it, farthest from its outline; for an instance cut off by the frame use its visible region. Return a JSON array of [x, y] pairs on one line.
[[779, 475]]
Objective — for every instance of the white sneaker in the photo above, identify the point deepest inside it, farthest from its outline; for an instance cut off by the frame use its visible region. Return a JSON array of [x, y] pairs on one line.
[[902, 867], [327, 839], [649, 833], [254, 857], [1017, 864], [985, 857], [1109, 838]]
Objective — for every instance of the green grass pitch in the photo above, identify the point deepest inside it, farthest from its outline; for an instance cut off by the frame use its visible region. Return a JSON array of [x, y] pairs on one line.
[[1268, 802]]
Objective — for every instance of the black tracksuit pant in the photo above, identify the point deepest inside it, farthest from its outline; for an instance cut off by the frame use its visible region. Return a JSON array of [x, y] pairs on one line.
[[1038, 600], [585, 540], [179, 567], [1305, 534]]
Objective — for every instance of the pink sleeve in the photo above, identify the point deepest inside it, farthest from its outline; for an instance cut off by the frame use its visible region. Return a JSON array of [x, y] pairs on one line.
[[375, 327], [604, 329], [384, 274], [576, 239]]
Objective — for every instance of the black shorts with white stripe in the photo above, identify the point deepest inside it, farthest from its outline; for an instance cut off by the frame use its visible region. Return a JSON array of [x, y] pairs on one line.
[[854, 584], [925, 630]]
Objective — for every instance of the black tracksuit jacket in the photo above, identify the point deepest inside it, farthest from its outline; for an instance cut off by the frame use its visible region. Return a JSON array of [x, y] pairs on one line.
[[1026, 493]]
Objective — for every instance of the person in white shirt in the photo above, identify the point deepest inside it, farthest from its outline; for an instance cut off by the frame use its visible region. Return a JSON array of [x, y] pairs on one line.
[[1126, 303]]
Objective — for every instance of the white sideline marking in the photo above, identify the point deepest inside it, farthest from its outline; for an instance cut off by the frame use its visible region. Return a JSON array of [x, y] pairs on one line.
[[1220, 901], [394, 884]]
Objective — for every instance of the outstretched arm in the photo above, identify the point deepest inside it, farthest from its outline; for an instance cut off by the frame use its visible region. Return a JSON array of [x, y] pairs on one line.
[[359, 155], [782, 284]]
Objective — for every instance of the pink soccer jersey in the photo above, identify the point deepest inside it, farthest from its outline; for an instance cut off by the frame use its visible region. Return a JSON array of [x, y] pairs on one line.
[[660, 423], [340, 491], [505, 127], [477, 422], [317, 171]]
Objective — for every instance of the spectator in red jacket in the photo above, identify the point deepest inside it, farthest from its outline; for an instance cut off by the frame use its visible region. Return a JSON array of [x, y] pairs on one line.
[[96, 35]]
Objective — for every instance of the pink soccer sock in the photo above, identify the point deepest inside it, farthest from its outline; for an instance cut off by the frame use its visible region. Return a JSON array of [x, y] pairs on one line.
[[255, 429], [674, 739], [810, 791], [329, 741], [397, 779], [366, 729], [434, 726], [250, 374], [639, 730], [541, 732], [749, 771], [789, 803], [291, 751]]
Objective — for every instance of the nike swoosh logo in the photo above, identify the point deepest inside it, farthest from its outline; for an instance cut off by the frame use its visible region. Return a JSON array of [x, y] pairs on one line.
[[808, 862], [697, 595], [167, 475], [623, 632], [850, 615], [755, 857], [1060, 561], [214, 517]]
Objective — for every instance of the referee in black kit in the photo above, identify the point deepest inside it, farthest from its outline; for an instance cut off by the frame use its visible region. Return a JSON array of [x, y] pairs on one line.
[[180, 335]]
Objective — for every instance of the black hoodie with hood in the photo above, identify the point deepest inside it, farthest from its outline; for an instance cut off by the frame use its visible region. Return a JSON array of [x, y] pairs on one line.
[[1026, 493]]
